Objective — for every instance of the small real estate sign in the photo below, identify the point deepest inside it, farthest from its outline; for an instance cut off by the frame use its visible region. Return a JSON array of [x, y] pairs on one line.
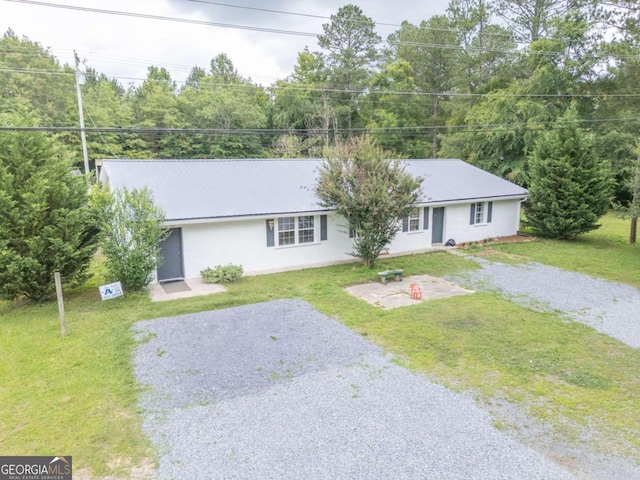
[[113, 290]]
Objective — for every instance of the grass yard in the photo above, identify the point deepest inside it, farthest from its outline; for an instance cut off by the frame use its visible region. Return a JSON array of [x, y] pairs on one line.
[[77, 395]]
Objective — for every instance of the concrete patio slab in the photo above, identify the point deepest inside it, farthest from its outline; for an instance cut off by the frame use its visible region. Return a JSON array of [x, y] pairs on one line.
[[396, 294], [195, 287]]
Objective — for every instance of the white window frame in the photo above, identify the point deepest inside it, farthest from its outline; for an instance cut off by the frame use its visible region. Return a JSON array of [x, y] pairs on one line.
[[303, 229], [414, 220], [481, 211], [300, 230]]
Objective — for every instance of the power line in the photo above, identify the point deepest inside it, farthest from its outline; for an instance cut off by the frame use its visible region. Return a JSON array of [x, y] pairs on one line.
[[98, 132], [324, 17], [261, 29], [472, 128], [341, 90], [164, 18]]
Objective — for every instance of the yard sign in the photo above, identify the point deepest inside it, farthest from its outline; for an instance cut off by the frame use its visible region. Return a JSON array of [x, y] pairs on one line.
[[110, 291]]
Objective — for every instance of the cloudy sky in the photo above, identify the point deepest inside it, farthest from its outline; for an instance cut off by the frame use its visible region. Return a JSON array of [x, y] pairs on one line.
[[124, 46]]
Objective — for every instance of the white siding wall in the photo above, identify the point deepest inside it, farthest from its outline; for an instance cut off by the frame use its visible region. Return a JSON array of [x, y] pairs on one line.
[[244, 242], [504, 222], [413, 241]]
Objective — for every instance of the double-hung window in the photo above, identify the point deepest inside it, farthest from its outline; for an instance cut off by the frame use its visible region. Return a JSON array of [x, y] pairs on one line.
[[286, 231], [305, 229], [301, 230], [295, 230], [481, 213], [417, 219], [414, 220]]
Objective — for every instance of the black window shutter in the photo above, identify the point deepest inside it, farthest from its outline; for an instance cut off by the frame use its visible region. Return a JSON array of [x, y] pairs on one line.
[[405, 224], [271, 225], [489, 212], [472, 219], [425, 224], [323, 227]]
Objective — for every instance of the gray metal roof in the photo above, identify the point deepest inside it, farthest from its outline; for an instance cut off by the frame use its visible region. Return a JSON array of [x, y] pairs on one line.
[[199, 189]]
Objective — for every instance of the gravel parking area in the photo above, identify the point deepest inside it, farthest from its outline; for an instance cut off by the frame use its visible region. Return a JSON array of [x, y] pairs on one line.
[[278, 390], [609, 307]]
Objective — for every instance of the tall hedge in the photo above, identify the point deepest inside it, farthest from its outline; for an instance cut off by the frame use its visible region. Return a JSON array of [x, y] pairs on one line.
[[45, 221]]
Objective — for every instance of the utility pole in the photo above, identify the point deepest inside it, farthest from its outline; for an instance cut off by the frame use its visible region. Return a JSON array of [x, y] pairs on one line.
[[81, 112]]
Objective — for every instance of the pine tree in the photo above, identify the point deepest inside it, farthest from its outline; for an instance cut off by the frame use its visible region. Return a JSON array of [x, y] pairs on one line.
[[569, 185], [45, 222]]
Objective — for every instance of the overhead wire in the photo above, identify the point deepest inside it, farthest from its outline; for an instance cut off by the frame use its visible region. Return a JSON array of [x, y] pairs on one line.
[[98, 131], [344, 90], [324, 17], [473, 128], [163, 18], [271, 30], [302, 88]]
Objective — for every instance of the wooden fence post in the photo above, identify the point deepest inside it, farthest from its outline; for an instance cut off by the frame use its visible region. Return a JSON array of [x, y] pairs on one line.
[[63, 325]]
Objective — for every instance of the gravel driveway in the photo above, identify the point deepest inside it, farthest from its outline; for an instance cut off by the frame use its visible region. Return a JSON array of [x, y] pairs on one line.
[[278, 390], [611, 308]]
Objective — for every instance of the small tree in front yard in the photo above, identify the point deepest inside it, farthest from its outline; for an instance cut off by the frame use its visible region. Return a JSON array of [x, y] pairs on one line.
[[569, 186], [372, 192], [131, 231]]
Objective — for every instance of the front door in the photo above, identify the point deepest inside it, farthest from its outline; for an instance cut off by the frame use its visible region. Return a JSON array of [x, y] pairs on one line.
[[171, 251], [438, 225]]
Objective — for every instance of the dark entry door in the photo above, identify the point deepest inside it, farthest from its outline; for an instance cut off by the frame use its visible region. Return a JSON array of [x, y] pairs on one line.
[[171, 250], [438, 225]]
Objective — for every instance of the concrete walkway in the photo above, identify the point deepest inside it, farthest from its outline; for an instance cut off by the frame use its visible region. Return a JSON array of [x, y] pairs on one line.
[[190, 287]]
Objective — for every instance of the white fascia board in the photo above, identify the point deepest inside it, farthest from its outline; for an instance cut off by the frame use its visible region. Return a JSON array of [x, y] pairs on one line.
[[519, 198], [196, 221]]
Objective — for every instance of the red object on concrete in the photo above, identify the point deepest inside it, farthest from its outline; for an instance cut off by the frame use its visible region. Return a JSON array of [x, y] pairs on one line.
[[415, 291]]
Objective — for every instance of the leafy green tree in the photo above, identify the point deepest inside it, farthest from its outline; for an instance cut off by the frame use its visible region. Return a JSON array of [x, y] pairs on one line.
[[52, 97], [372, 192], [391, 116], [619, 140], [132, 227], [226, 101], [223, 70], [105, 106], [45, 221], [154, 105], [532, 19], [431, 49], [195, 75], [486, 59], [503, 127], [569, 185], [351, 43], [300, 104]]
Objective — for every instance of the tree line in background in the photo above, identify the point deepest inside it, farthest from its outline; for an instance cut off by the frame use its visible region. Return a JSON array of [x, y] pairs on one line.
[[482, 82], [541, 92]]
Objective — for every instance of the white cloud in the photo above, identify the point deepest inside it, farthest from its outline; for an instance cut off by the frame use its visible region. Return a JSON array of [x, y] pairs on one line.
[[121, 46]]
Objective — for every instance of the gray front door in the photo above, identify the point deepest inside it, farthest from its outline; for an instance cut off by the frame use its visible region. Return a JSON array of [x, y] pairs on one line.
[[438, 225], [171, 250]]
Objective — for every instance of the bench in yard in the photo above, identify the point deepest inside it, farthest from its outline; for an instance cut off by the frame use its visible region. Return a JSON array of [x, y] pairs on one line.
[[384, 276]]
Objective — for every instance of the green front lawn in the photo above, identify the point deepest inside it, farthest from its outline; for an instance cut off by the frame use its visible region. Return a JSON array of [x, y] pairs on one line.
[[77, 395]]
